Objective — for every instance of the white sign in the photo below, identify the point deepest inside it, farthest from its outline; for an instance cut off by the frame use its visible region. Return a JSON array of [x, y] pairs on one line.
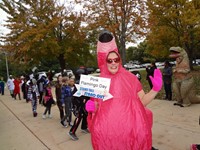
[[91, 86]]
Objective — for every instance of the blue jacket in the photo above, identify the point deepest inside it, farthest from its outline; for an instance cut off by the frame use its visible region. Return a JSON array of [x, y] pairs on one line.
[[65, 92]]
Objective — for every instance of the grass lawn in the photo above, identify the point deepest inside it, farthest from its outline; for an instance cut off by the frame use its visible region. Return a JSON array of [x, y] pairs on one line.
[[161, 94]]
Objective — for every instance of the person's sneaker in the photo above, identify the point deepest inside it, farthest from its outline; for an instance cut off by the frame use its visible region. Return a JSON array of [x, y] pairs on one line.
[[70, 124], [85, 130], [43, 116], [50, 116], [64, 125], [195, 147], [73, 136]]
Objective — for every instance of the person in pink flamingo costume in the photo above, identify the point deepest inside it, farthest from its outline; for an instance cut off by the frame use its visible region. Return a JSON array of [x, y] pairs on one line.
[[122, 122]]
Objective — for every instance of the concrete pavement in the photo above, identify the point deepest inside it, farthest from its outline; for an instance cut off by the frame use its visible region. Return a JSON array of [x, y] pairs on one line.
[[174, 128]]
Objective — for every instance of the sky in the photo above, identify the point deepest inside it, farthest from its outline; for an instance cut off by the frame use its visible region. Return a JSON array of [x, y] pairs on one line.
[[4, 30], [3, 17]]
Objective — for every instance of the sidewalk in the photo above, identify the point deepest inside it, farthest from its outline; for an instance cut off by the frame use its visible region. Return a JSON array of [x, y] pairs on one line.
[[174, 128]]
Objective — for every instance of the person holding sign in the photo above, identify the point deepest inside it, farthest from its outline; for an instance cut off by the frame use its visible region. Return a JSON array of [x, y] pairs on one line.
[[78, 110], [123, 121]]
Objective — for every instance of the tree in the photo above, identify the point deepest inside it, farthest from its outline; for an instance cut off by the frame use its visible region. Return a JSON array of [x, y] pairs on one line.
[[3, 66], [125, 19], [174, 23], [137, 53], [43, 30]]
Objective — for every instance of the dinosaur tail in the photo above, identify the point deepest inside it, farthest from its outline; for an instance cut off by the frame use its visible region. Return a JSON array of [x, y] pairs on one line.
[[194, 99]]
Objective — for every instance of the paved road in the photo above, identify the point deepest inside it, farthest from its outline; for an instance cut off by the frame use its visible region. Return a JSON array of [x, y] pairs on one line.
[[174, 128], [19, 130]]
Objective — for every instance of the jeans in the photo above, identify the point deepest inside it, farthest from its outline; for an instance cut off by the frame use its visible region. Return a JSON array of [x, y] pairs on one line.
[[68, 107]]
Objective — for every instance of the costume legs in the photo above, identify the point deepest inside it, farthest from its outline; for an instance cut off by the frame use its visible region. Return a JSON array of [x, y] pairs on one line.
[[185, 89], [177, 90], [34, 104], [185, 92]]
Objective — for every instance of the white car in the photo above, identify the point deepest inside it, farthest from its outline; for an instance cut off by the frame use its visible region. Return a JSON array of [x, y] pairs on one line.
[[67, 72], [98, 70], [159, 64], [57, 74], [146, 65], [40, 74]]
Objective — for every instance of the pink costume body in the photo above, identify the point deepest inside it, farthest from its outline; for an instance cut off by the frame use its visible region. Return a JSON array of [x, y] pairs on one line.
[[122, 122]]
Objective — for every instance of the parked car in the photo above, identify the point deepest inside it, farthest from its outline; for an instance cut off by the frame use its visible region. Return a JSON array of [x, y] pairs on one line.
[[65, 72], [145, 65], [98, 70], [69, 73], [196, 62], [137, 66], [90, 70], [40, 74], [173, 63], [57, 74], [159, 64]]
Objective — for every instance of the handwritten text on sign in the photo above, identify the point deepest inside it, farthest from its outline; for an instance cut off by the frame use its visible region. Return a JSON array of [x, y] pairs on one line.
[[91, 86]]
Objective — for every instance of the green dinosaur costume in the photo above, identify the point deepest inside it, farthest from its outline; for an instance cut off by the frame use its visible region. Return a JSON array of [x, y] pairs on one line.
[[183, 84]]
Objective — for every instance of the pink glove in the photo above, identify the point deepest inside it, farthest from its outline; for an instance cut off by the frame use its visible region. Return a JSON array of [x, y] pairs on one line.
[[90, 106], [156, 80]]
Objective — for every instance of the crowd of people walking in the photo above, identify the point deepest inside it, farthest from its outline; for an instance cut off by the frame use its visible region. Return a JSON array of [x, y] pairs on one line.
[[39, 89], [71, 109]]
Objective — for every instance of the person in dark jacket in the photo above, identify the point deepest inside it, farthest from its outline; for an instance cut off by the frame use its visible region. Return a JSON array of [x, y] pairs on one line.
[[78, 109], [2, 86], [24, 88], [41, 87], [58, 87], [66, 96], [150, 72], [167, 79]]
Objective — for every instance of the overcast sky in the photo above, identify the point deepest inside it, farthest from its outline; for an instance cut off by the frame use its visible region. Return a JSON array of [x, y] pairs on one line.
[[4, 30], [3, 17]]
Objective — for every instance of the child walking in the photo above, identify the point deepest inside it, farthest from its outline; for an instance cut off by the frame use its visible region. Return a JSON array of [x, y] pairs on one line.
[[48, 101], [33, 95], [66, 96], [58, 87], [79, 112], [17, 83]]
